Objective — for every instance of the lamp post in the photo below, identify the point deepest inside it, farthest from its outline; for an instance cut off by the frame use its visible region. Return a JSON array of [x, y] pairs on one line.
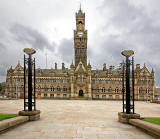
[[30, 52], [127, 114], [28, 110], [127, 54]]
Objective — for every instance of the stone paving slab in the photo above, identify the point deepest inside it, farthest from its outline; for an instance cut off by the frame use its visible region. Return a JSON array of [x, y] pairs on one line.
[[77, 119]]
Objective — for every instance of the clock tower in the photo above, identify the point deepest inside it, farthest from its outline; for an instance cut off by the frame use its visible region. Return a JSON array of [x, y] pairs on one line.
[[80, 39]]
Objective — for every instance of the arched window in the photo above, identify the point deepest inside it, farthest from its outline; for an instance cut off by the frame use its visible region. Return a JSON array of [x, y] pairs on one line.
[[52, 88], [58, 88], [147, 90], [64, 89], [97, 90], [110, 90], [22, 87], [45, 89], [103, 89], [39, 88], [116, 90], [140, 90], [110, 81]]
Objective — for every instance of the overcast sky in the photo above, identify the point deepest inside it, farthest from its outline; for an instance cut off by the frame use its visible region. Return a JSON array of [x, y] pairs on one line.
[[47, 26]]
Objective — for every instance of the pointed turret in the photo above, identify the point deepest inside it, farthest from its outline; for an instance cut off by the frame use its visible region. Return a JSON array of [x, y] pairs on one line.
[[80, 11], [55, 66], [104, 67], [72, 66], [63, 67], [152, 71], [89, 65]]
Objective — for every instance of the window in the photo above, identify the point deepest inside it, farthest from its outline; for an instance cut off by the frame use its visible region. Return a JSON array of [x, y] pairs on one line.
[[117, 96], [52, 89], [97, 90], [104, 96], [52, 95], [110, 81], [45, 89], [22, 88], [147, 90], [64, 80], [116, 81], [110, 96], [64, 95], [45, 95], [80, 79], [58, 80], [141, 97], [39, 89], [140, 90], [110, 90], [116, 90], [97, 96], [103, 81], [103, 89], [58, 89], [64, 89]]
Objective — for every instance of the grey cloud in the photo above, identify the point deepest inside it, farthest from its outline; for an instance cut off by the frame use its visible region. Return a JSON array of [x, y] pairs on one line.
[[65, 49], [3, 67], [3, 70], [31, 37], [157, 73], [2, 46], [90, 52], [110, 51], [139, 30]]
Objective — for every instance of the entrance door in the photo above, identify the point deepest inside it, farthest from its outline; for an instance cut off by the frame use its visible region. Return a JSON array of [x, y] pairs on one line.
[[81, 93]]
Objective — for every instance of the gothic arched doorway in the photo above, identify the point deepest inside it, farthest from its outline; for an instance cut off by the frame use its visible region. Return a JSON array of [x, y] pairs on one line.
[[81, 93]]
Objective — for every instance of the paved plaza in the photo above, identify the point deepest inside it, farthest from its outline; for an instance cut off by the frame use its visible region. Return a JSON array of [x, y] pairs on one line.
[[77, 119]]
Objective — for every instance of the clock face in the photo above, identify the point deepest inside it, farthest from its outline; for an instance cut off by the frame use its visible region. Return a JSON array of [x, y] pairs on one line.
[[80, 34]]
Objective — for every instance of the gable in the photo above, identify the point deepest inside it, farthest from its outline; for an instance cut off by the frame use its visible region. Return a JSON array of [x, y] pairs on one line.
[[144, 71], [18, 68], [80, 68]]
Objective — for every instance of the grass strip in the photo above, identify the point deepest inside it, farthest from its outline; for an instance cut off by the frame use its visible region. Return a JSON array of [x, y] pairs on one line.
[[6, 116], [152, 120]]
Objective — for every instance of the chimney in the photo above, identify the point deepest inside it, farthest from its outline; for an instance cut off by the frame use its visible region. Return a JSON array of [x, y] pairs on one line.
[[63, 67], [104, 67], [55, 66], [138, 67]]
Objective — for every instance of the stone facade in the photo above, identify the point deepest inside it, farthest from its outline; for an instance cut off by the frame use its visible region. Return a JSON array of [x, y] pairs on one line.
[[2, 92], [81, 81]]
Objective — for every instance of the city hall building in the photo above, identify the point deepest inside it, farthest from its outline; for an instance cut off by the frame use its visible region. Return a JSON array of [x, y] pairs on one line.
[[80, 81]]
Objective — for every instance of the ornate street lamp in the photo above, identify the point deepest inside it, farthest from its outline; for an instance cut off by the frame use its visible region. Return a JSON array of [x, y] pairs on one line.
[[128, 106], [30, 63], [29, 102]]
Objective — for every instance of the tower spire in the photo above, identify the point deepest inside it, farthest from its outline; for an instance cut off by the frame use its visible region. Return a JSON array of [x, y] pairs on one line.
[[80, 11]]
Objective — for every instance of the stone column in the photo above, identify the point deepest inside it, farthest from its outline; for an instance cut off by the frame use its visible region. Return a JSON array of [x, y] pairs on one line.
[[89, 88], [72, 86]]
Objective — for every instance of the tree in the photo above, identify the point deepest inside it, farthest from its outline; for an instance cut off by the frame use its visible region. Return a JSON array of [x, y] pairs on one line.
[[0, 87]]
